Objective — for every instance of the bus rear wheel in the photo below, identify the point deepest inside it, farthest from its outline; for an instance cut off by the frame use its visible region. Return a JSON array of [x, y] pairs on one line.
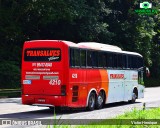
[[91, 102], [100, 100]]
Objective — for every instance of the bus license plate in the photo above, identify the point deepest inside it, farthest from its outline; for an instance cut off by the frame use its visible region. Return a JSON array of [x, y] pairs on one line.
[[41, 100]]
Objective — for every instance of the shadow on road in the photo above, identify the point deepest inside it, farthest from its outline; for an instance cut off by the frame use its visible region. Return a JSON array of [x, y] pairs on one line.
[[46, 113]]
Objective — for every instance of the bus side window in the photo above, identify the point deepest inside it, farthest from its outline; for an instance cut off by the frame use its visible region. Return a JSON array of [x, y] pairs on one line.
[[115, 60], [109, 60], [124, 61], [135, 62], [94, 59], [105, 60], [120, 61], [74, 57], [72, 62], [83, 58], [89, 59], [100, 60], [129, 62], [131, 57]]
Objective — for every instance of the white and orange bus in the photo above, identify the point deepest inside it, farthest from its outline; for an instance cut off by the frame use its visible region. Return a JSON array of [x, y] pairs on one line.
[[59, 73]]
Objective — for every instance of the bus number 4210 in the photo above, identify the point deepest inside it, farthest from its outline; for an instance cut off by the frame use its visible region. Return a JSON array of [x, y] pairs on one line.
[[55, 82]]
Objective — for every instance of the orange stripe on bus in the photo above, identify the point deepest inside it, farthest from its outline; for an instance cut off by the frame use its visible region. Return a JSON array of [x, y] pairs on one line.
[[105, 81]]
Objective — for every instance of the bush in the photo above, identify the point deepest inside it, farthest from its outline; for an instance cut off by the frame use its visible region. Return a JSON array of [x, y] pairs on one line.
[[10, 75], [152, 82]]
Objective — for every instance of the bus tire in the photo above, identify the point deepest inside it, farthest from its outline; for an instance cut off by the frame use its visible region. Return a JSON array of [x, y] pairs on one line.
[[134, 96], [91, 102], [100, 100]]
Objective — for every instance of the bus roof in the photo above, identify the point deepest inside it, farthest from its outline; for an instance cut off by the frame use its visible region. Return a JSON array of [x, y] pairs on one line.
[[90, 45], [100, 46], [106, 47]]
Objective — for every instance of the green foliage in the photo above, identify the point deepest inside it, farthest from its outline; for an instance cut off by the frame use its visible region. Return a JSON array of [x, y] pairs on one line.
[[133, 115], [10, 75], [111, 22], [152, 82]]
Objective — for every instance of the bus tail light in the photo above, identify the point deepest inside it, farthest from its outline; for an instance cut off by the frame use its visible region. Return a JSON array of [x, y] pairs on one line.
[[63, 90]]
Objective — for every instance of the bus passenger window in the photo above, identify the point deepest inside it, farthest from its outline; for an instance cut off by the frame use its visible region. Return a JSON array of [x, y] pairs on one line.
[[83, 58], [124, 61], [109, 60], [105, 60], [74, 58], [134, 61], [89, 60], [95, 59], [101, 60], [115, 60], [72, 63], [120, 61], [129, 62]]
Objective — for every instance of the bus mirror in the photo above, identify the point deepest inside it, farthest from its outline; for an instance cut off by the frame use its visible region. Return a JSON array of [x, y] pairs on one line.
[[147, 72]]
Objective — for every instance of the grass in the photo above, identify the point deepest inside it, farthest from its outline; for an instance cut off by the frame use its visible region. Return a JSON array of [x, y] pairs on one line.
[[137, 115]]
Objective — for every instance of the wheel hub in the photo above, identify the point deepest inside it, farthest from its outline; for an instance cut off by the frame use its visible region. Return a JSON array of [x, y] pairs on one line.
[[100, 100]]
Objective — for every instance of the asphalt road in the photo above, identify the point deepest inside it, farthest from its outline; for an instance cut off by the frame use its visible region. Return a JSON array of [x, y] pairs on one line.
[[12, 108]]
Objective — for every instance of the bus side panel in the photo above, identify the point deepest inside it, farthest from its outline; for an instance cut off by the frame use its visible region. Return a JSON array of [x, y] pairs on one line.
[[128, 86], [116, 86], [86, 80], [77, 88], [93, 81]]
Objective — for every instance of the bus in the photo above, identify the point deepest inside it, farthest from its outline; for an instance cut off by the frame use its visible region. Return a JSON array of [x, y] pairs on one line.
[[57, 73]]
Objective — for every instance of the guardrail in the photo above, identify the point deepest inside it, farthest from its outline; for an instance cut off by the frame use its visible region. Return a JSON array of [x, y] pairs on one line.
[[10, 93]]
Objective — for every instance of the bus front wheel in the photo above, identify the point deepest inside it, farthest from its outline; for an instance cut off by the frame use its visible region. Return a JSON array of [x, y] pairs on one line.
[[134, 96], [91, 102]]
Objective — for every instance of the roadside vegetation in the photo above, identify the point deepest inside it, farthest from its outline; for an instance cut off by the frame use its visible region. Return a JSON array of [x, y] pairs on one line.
[[121, 121], [135, 115]]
